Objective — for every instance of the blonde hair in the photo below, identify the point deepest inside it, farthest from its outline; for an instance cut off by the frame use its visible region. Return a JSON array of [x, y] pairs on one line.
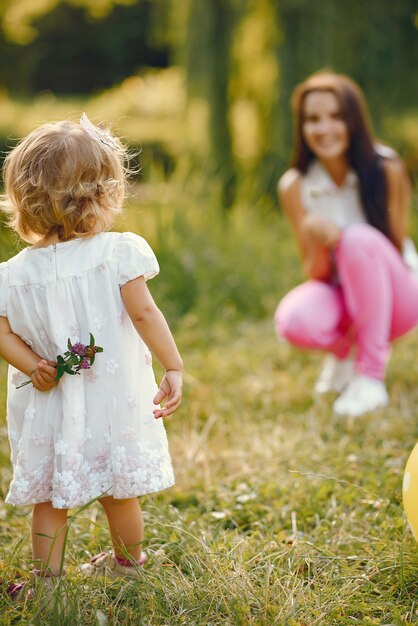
[[60, 179]]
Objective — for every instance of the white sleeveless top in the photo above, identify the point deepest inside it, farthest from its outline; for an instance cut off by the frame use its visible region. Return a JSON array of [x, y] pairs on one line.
[[341, 204], [338, 204]]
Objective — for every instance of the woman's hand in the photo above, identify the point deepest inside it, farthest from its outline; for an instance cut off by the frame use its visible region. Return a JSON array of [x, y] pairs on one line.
[[320, 231], [315, 235], [171, 387], [43, 376], [320, 237]]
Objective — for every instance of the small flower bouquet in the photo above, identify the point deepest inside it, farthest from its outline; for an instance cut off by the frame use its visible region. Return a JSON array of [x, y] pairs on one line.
[[77, 357]]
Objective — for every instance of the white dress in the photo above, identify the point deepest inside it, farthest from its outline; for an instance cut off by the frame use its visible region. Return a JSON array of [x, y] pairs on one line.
[[340, 205], [94, 434]]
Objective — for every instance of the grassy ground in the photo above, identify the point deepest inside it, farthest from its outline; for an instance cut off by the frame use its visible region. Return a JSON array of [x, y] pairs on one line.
[[282, 513]]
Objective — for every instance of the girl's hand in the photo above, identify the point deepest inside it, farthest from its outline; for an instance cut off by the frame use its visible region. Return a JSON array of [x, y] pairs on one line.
[[171, 387], [320, 231], [43, 376]]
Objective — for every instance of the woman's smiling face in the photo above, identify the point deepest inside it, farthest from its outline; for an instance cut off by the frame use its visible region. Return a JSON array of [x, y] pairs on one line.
[[324, 129]]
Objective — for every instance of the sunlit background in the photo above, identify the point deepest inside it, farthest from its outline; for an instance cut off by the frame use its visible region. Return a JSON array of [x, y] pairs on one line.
[[205, 85], [281, 513]]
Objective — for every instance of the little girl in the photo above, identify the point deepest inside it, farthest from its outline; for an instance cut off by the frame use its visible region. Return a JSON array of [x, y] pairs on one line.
[[96, 434]]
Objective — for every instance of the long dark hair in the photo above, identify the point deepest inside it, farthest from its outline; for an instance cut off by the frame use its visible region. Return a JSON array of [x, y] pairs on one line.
[[363, 156]]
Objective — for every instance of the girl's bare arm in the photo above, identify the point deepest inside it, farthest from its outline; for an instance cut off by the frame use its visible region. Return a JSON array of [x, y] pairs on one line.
[[153, 328], [17, 353]]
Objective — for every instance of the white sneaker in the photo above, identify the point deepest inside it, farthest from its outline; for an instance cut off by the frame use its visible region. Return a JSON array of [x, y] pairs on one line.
[[361, 395], [335, 374]]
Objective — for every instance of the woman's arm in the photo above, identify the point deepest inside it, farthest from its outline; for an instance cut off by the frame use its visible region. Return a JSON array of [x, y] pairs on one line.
[[398, 198], [315, 236]]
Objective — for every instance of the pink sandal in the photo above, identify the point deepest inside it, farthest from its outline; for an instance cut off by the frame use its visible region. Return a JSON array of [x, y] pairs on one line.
[[107, 565], [25, 590], [21, 591]]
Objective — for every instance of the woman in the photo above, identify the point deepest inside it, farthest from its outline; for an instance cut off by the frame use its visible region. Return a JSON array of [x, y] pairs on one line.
[[347, 200]]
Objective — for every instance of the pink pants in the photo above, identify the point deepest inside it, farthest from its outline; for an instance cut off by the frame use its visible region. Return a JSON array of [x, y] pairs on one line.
[[375, 302]]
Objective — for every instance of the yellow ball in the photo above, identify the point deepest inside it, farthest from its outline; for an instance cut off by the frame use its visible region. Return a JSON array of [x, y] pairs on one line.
[[410, 491]]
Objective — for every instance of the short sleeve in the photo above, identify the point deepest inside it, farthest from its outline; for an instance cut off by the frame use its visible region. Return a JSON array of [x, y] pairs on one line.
[[135, 258], [4, 288]]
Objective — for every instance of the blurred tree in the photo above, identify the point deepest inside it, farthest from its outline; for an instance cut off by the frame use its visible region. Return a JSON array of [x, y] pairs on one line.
[[245, 57], [375, 42], [207, 60], [255, 95], [112, 41], [242, 60], [273, 161], [18, 16]]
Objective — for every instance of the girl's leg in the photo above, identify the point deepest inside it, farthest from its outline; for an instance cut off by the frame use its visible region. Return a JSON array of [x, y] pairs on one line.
[[126, 526], [380, 293], [314, 316], [48, 536]]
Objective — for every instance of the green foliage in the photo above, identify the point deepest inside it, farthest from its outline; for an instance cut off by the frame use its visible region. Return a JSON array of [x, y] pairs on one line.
[[371, 43], [214, 267], [114, 39], [208, 47], [18, 16], [402, 133], [9, 243], [238, 61]]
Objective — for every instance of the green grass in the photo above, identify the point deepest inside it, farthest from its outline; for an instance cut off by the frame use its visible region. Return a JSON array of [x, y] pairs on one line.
[[282, 513]]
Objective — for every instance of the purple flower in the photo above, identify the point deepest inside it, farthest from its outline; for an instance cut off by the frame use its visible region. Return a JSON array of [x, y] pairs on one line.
[[78, 348], [77, 357]]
